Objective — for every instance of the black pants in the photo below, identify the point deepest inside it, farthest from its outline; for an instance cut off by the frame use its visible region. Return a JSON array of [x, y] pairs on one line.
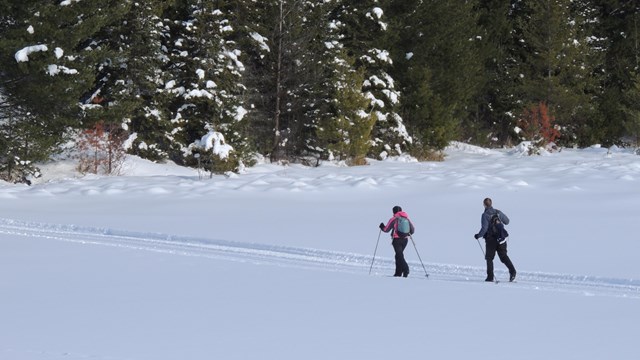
[[501, 249], [402, 268]]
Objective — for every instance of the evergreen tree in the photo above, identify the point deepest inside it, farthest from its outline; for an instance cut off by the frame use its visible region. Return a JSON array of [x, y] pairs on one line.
[[492, 118], [299, 63], [293, 51], [632, 111], [202, 81], [438, 66], [126, 87], [364, 35], [345, 134], [327, 102], [48, 62], [47, 58], [555, 63], [254, 38], [24, 140], [618, 34]]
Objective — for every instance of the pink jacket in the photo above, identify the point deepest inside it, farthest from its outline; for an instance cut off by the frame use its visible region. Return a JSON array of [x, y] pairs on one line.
[[393, 224]]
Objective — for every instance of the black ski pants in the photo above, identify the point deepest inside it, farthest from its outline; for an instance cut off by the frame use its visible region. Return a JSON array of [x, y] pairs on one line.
[[492, 247], [402, 268]]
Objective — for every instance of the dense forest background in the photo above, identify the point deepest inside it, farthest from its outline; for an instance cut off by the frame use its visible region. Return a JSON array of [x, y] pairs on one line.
[[214, 82]]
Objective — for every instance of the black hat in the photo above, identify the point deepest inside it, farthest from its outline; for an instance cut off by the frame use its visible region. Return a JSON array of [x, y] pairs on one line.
[[396, 209]]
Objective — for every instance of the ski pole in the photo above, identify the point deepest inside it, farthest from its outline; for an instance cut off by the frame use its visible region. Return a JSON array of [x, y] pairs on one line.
[[481, 249], [415, 247], [374, 252]]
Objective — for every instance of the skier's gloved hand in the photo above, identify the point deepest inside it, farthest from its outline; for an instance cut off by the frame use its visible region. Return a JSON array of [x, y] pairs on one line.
[[381, 226], [477, 236]]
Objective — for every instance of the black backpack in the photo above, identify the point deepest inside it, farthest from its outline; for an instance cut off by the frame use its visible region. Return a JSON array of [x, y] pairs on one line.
[[496, 228]]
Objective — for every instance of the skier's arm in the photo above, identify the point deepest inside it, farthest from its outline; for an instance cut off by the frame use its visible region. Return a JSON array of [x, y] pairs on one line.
[[484, 221], [503, 217], [389, 226]]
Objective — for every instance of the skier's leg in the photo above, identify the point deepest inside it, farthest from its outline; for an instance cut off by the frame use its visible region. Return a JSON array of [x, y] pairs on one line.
[[502, 254], [491, 247], [397, 248], [405, 266]]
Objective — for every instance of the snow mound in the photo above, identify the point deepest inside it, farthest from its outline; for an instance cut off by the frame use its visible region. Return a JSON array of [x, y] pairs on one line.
[[459, 147]]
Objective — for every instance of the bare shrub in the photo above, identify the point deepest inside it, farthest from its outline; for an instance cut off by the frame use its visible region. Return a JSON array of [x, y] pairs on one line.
[[101, 150]]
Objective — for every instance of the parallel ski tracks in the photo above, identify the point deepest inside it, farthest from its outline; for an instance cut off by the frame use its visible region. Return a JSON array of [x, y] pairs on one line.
[[311, 258]]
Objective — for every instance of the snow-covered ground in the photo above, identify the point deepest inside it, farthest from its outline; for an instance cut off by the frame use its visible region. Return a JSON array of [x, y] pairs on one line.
[[162, 263]]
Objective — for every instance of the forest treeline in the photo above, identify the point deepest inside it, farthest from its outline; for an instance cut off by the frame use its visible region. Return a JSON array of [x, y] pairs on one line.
[[213, 82]]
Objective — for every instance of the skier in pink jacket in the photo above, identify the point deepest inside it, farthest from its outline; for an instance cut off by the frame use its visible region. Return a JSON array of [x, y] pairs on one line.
[[401, 228]]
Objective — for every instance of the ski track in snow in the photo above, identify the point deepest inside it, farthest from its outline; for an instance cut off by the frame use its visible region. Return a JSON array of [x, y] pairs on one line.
[[313, 259]]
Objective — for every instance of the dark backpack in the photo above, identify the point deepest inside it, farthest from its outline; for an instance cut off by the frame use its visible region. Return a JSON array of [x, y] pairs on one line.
[[403, 227], [496, 228]]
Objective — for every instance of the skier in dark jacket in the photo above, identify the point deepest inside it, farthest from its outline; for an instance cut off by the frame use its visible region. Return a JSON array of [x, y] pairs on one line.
[[400, 238], [495, 237]]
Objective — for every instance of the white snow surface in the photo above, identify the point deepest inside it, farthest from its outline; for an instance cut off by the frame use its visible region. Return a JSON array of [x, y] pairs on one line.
[[273, 263]]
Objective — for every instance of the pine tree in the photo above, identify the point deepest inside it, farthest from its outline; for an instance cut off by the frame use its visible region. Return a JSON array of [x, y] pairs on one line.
[[438, 66], [631, 106], [364, 34], [346, 134], [291, 51], [343, 129], [618, 32], [48, 62], [555, 62], [24, 140], [254, 38], [297, 61], [126, 87], [492, 120], [47, 56], [202, 81], [327, 103]]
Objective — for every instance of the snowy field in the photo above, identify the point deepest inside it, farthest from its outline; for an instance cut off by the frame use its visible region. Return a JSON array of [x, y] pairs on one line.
[[161, 264]]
